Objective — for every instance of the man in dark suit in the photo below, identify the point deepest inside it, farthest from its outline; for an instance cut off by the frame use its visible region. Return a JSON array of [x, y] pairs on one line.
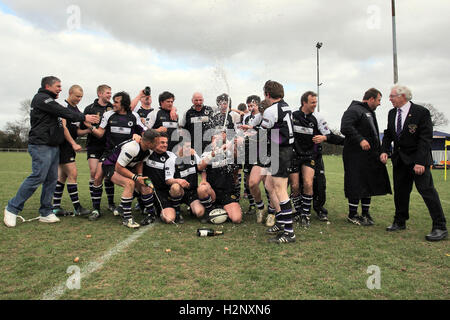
[[411, 130]]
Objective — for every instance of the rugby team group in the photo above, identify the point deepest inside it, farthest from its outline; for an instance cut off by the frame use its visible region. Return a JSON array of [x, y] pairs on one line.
[[199, 159]]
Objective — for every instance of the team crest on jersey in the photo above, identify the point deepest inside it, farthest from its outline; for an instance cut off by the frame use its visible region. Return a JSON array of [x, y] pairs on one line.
[[412, 128], [192, 162], [206, 112], [313, 163], [130, 123], [163, 159]]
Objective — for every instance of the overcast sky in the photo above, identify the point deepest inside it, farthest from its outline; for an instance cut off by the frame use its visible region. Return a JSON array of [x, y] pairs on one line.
[[216, 46]]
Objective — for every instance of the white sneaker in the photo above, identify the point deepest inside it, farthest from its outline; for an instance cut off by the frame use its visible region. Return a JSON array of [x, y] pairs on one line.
[[9, 219], [260, 216], [51, 218], [270, 220]]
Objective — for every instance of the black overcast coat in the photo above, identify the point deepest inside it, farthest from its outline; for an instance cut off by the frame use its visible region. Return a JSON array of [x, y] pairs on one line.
[[365, 174], [46, 127]]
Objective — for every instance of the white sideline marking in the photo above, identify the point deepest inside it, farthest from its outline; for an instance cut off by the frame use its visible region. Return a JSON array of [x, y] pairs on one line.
[[56, 292]]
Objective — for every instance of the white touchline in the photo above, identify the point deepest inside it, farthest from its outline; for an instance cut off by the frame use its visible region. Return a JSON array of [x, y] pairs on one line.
[[56, 292]]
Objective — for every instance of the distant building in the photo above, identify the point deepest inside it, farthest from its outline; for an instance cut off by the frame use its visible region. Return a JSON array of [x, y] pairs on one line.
[[438, 147]]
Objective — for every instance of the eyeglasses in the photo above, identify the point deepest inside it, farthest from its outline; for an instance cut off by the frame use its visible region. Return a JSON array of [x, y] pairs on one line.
[[394, 95]]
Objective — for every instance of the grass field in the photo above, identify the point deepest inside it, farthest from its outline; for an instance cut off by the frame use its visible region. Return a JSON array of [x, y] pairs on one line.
[[326, 262]]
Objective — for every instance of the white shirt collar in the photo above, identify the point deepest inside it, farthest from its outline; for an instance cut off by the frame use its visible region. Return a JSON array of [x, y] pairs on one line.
[[405, 107]]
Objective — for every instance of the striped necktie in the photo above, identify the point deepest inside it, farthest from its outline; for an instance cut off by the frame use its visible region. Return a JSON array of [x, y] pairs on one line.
[[399, 122]]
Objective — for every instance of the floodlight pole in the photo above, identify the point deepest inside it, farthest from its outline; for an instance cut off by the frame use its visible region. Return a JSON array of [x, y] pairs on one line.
[[394, 39], [318, 46]]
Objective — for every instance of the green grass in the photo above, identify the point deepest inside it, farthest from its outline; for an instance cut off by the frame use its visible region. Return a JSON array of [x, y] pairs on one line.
[[326, 262]]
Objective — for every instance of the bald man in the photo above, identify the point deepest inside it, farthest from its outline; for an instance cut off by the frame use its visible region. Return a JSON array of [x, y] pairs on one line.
[[196, 120]]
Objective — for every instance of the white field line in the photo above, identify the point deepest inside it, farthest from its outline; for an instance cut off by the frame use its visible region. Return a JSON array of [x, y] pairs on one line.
[[93, 266]]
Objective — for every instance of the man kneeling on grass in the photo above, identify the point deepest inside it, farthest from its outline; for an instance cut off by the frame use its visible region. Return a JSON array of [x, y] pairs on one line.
[[124, 166]]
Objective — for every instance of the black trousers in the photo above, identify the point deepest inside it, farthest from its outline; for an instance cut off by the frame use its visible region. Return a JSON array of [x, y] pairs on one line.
[[404, 177], [320, 185]]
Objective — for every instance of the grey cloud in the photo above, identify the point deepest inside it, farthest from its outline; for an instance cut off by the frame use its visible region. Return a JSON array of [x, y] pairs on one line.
[[256, 40]]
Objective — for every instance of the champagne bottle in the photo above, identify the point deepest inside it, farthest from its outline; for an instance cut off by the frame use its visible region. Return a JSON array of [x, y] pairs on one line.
[[148, 183], [208, 232]]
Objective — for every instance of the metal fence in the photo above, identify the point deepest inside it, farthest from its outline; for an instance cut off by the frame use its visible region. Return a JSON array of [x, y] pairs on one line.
[[13, 150]]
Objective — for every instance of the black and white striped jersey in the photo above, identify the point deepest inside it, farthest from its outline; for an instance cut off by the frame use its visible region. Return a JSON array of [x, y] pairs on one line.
[[160, 167], [120, 127], [161, 118], [128, 154], [143, 113], [219, 172], [187, 168], [306, 126], [277, 119], [196, 123]]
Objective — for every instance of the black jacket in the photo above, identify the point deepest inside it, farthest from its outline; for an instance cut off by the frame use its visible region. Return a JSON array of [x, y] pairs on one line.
[[365, 174], [46, 127], [414, 144]]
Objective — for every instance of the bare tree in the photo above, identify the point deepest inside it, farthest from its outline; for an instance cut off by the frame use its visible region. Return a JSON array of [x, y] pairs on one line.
[[25, 108], [24, 122], [437, 118], [12, 137], [16, 132]]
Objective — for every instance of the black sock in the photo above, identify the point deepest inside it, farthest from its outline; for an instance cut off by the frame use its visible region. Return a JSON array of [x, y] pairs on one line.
[[125, 203], [57, 195], [97, 196], [148, 203], [91, 186], [207, 203], [72, 189], [237, 187], [109, 190], [176, 202], [306, 204], [297, 201], [365, 204], [260, 205], [353, 207], [285, 216]]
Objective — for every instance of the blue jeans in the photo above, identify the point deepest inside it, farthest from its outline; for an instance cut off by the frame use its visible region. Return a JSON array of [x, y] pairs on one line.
[[44, 166]]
